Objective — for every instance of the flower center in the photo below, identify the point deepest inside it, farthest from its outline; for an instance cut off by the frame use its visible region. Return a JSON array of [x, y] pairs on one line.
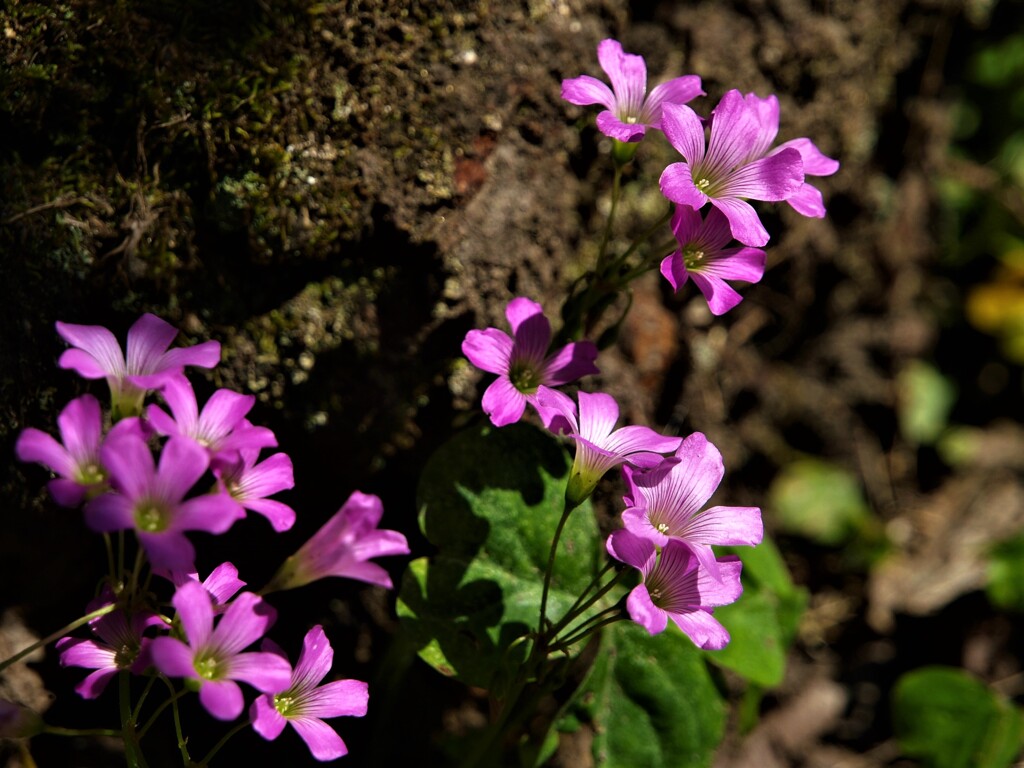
[[283, 702], [150, 517], [125, 655], [631, 120], [703, 183], [692, 257], [655, 593], [91, 474], [662, 527], [206, 667], [524, 377]]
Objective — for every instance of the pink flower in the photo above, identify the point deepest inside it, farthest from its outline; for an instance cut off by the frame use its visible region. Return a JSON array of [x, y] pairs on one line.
[[120, 646], [676, 586], [664, 504], [221, 428], [249, 484], [213, 655], [150, 499], [77, 461], [629, 109], [222, 583], [304, 703], [599, 446], [95, 354], [522, 363], [343, 547], [701, 255], [724, 170]]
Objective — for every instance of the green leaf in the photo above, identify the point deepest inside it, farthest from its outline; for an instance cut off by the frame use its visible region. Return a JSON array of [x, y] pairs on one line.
[[651, 701], [490, 500], [818, 500], [1006, 575], [949, 719], [925, 399]]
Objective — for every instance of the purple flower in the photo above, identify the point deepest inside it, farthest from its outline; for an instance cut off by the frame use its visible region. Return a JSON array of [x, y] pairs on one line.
[[523, 364], [807, 199], [221, 428], [149, 499], [629, 110], [77, 461], [304, 704], [213, 655], [120, 646], [703, 256], [343, 547], [676, 586], [664, 504], [724, 171], [249, 484], [95, 354], [599, 446]]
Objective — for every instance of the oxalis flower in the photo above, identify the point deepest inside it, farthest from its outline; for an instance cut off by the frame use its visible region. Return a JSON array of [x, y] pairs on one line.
[[599, 446], [629, 109], [664, 504], [213, 657], [722, 170], [150, 499], [249, 484], [77, 460], [304, 704], [676, 586], [95, 354], [343, 547], [522, 363], [703, 257], [120, 646], [221, 427]]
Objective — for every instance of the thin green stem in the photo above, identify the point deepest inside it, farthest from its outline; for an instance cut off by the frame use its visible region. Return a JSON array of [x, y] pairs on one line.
[[142, 700], [57, 635], [159, 710], [182, 741], [133, 581], [55, 730], [120, 557], [132, 749], [578, 610], [549, 570], [643, 238], [580, 632], [216, 747], [109, 545], [607, 235], [495, 729]]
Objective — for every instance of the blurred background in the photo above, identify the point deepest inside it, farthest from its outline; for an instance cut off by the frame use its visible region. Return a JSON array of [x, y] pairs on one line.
[[339, 191]]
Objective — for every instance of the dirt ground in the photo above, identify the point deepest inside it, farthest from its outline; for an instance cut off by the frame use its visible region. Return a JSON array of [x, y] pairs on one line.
[[339, 191]]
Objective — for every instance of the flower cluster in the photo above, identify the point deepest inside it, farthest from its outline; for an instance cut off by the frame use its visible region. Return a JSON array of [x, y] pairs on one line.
[[161, 475], [727, 160]]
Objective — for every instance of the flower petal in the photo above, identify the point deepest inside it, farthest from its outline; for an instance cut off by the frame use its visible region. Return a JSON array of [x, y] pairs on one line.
[[264, 671], [97, 354], [585, 90], [322, 740], [644, 612], [315, 660], [40, 448], [684, 131], [677, 185], [245, 621], [337, 699], [489, 350], [703, 629], [679, 90], [148, 339], [743, 221], [721, 297], [503, 403], [570, 363], [266, 720], [613, 128], [222, 699], [195, 610]]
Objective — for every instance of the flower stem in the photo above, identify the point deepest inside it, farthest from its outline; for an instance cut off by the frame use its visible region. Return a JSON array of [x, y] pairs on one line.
[[132, 749], [57, 635], [606, 236], [588, 627], [54, 730], [578, 609], [216, 747], [566, 511]]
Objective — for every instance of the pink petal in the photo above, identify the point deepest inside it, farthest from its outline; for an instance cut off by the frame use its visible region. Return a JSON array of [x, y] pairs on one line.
[[79, 652], [585, 90], [703, 629], [723, 588], [684, 131], [598, 414], [337, 699], [570, 363], [40, 448], [736, 264], [735, 128], [266, 720], [224, 410], [264, 671], [182, 463], [814, 162], [720, 296], [170, 550], [148, 339], [128, 460], [203, 355], [195, 610], [636, 438], [98, 354], [772, 178], [631, 550], [489, 350], [222, 698], [81, 428], [245, 621], [644, 612], [67, 493], [223, 583], [807, 201], [315, 660], [371, 573], [280, 516], [503, 402], [110, 512], [181, 397], [766, 111], [95, 683], [743, 221], [322, 740], [673, 268], [533, 334], [677, 91], [172, 657], [677, 185], [212, 512], [519, 310], [612, 127]]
